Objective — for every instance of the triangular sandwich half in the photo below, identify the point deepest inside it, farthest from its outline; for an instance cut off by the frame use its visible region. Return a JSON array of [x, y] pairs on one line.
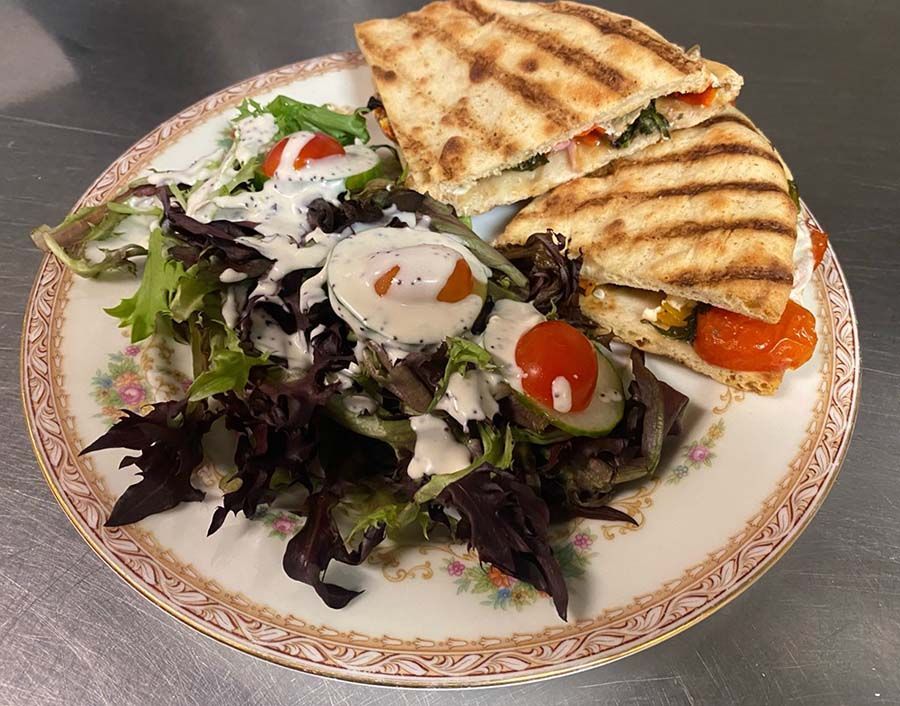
[[494, 101], [708, 217]]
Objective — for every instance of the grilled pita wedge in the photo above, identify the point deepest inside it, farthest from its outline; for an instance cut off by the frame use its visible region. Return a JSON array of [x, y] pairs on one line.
[[706, 216], [485, 97]]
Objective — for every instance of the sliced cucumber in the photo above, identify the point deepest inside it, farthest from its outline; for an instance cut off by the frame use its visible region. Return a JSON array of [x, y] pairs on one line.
[[600, 416], [357, 181]]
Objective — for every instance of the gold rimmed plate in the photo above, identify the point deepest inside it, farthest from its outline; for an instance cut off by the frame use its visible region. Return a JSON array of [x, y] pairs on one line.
[[722, 510]]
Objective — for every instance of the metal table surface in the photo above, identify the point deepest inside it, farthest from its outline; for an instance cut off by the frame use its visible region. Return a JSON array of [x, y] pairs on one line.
[[80, 80]]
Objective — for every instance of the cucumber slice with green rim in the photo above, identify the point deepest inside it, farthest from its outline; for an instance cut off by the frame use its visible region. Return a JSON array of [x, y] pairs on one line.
[[600, 416], [356, 182]]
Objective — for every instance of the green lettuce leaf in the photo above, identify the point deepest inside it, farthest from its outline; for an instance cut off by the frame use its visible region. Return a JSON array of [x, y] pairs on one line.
[[380, 509], [498, 453], [118, 259], [460, 355], [396, 432], [158, 285], [292, 115], [229, 369], [191, 292]]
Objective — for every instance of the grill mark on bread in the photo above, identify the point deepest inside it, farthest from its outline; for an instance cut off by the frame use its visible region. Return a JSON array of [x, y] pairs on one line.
[[569, 55], [669, 53], [694, 229], [728, 118], [528, 92], [729, 274], [695, 154], [670, 192]]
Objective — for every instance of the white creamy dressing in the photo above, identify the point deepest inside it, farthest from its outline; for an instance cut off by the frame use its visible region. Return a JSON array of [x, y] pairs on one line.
[[408, 316], [360, 404], [562, 394], [804, 263], [289, 255], [280, 207], [436, 451], [209, 174], [314, 291], [344, 379], [252, 135], [230, 276], [230, 311], [132, 230], [508, 322], [203, 168], [469, 397], [268, 337]]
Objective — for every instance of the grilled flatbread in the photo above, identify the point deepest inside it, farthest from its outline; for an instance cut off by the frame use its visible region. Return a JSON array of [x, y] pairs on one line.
[[706, 216], [620, 310], [474, 88]]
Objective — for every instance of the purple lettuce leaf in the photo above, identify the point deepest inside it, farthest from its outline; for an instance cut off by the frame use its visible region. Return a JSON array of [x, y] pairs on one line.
[[318, 542], [507, 523], [169, 439]]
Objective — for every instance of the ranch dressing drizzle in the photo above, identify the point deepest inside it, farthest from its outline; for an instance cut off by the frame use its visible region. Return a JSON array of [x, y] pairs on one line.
[[230, 276], [209, 174], [562, 394], [288, 255], [268, 337], [133, 229], [202, 168], [468, 397], [281, 206], [508, 322], [436, 451], [252, 135], [360, 404]]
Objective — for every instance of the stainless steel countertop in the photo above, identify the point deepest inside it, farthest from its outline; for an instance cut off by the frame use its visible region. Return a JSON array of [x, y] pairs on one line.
[[80, 80]]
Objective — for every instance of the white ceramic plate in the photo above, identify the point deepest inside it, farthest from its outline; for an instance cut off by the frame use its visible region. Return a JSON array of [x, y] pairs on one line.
[[744, 481]]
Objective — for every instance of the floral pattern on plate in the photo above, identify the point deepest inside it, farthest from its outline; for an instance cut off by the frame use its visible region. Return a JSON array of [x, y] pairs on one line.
[[502, 591], [122, 386], [698, 453]]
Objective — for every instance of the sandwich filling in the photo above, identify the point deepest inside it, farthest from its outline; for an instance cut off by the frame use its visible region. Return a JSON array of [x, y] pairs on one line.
[[730, 340]]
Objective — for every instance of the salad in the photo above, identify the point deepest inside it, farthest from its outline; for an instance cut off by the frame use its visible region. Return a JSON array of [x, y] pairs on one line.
[[380, 370]]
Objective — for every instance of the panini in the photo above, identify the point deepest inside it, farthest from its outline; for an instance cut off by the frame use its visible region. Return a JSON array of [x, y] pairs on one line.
[[494, 101], [706, 219]]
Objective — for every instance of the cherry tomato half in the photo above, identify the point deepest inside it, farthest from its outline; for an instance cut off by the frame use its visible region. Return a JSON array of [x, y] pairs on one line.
[[819, 245], [318, 146], [591, 137], [704, 98], [459, 284], [555, 349], [738, 342]]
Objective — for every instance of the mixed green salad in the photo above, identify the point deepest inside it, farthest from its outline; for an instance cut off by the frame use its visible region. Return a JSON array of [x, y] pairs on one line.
[[381, 370]]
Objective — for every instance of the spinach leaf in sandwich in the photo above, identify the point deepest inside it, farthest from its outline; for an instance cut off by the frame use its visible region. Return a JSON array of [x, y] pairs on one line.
[[648, 121], [530, 164]]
